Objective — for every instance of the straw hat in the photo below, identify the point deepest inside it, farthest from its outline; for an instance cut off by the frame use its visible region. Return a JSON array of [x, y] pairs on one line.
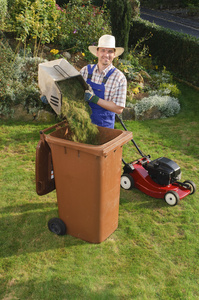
[[106, 41]]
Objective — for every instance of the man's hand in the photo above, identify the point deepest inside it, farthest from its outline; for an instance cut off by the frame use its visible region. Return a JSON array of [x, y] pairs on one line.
[[44, 99], [89, 96]]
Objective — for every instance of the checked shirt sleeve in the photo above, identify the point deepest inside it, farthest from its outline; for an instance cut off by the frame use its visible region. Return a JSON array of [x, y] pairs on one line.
[[116, 88]]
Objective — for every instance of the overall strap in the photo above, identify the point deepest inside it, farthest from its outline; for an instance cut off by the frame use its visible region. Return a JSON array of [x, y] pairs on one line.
[[90, 71], [108, 75]]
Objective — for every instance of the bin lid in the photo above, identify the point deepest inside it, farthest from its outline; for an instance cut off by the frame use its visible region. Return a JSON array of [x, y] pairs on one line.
[[51, 72]]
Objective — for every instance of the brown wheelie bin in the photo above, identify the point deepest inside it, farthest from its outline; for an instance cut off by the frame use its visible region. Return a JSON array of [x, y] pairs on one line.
[[87, 181]]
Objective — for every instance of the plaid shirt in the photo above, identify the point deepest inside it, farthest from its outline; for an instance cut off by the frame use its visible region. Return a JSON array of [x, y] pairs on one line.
[[115, 87]]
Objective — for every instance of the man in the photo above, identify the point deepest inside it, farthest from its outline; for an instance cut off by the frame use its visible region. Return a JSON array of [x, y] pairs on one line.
[[109, 85]]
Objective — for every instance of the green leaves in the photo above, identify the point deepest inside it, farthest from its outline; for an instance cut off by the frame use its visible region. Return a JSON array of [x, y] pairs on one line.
[[35, 20], [78, 25], [18, 82]]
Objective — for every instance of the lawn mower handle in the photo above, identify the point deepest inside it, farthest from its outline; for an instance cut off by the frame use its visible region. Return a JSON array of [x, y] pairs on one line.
[[122, 123]]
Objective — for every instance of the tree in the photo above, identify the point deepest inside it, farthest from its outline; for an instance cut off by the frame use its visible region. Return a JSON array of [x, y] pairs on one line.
[[121, 14], [3, 11]]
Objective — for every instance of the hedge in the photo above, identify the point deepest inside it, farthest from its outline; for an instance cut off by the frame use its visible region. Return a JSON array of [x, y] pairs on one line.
[[3, 11], [178, 52]]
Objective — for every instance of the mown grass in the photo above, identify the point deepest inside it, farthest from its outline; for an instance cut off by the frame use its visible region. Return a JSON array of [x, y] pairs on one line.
[[152, 255]]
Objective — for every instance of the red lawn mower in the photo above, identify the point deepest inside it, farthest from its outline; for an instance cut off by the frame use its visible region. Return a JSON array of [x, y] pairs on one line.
[[157, 178]]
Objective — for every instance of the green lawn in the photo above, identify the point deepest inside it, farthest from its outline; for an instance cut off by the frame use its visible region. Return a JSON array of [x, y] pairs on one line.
[[153, 254]]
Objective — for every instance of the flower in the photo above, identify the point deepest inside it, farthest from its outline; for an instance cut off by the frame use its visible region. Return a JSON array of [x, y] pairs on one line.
[[75, 31], [83, 54], [58, 7], [136, 90], [54, 51]]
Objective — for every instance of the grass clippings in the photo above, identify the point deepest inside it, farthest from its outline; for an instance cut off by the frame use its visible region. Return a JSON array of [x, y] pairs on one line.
[[77, 112]]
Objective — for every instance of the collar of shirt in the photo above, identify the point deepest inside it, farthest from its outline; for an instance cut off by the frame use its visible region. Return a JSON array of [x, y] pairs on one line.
[[105, 71]]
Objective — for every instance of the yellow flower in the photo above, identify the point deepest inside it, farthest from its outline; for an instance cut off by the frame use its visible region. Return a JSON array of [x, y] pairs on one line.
[[136, 90], [156, 67], [54, 51], [83, 54]]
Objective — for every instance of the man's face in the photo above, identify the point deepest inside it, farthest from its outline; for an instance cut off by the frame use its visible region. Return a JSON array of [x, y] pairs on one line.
[[105, 56]]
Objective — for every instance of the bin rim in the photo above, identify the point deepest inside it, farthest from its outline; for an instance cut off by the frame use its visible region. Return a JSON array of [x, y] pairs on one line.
[[97, 150]]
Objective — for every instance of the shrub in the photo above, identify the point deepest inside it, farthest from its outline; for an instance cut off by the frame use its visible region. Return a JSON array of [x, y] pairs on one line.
[[168, 106], [157, 83], [6, 56], [3, 11], [81, 25], [18, 82], [168, 3], [77, 25], [62, 2], [10, 3], [169, 89], [162, 83], [177, 51], [129, 68], [36, 20]]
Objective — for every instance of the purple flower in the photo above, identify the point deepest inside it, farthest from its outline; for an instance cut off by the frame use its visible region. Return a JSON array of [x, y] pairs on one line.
[[75, 31], [102, 28]]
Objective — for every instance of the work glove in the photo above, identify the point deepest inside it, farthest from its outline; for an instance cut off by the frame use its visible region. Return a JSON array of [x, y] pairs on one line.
[[89, 96], [44, 99]]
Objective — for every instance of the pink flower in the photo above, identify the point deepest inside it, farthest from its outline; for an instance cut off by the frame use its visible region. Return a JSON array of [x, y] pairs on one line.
[[89, 23]]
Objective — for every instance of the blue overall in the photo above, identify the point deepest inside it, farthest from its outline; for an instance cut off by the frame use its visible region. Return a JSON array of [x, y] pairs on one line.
[[100, 116]]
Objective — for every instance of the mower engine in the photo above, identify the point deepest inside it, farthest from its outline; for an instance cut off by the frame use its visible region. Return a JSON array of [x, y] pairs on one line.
[[163, 171]]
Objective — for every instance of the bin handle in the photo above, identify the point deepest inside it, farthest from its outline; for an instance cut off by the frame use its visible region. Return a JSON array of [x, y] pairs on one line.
[[56, 126], [61, 71]]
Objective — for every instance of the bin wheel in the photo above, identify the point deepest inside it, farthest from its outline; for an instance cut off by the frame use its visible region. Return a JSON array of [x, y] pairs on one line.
[[127, 181], [191, 186], [172, 198], [57, 226]]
